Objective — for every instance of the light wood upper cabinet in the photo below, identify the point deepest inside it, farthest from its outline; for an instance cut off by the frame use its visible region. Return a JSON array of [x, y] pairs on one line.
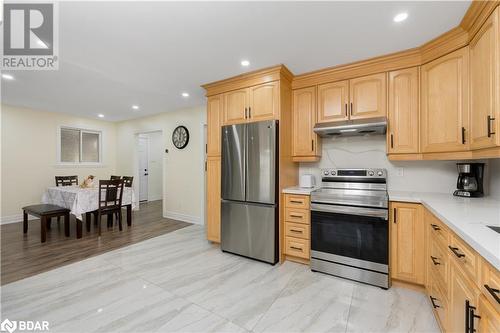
[[368, 95], [333, 101], [214, 115], [264, 101], [407, 242], [236, 106], [403, 131], [213, 199], [444, 103], [305, 141], [485, 85]]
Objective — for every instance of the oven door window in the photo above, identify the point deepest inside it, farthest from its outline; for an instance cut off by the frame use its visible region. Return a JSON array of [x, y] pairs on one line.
[[359, 237]]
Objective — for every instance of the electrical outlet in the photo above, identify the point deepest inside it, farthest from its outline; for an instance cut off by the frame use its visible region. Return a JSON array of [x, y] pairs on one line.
[[401, 172]]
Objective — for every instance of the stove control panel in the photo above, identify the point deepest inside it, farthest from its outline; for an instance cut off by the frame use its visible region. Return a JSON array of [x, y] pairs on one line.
[[357, 173]]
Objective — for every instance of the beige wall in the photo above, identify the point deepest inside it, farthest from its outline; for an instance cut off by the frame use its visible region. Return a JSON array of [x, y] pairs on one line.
[[183, 177], [29, 155]]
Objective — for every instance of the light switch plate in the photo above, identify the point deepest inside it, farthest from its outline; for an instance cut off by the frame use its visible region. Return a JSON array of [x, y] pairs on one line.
[[401, 172]]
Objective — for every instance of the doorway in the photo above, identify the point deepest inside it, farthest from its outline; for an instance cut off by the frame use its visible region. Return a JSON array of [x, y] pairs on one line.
[[149, 171]]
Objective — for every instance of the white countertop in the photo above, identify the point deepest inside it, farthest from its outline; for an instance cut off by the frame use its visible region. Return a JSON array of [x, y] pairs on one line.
[[299, 190], [467, 217]]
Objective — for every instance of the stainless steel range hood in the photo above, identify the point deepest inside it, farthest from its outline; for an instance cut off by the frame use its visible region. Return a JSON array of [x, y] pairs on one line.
[[352, 127]]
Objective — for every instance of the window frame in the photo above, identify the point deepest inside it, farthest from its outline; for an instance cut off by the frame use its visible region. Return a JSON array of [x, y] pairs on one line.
[[81, 130]]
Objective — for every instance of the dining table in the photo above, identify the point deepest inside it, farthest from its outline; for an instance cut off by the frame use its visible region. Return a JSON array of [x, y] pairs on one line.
[[81, 201]]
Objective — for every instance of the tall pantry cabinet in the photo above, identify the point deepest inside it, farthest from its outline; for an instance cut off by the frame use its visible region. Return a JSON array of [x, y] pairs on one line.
[[256, 96]]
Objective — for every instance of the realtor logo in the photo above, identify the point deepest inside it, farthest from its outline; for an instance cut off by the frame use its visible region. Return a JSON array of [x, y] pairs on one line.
[[30, 36]]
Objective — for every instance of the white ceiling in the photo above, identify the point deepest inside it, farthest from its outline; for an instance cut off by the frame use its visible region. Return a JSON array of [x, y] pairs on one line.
[[116, 54]]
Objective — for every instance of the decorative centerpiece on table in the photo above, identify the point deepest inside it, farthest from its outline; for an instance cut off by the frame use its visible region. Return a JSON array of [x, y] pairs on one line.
[[88, 182]]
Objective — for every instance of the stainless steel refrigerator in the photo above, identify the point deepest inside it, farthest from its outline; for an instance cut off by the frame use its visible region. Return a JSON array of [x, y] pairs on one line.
[[249, 206]]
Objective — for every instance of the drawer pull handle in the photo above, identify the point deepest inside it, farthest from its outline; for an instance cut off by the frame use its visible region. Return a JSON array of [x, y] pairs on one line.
[[434, 305], [297, 201], [435, 227], [296, 215], [434, 261], [455, 251], [494, 292], [296, 248], [296, 231]]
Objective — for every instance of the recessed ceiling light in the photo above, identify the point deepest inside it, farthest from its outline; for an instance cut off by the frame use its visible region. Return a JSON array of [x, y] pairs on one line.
[[185, 94], [245, 63], [100, 115], [7, 77], [135, 107], [400, 17]]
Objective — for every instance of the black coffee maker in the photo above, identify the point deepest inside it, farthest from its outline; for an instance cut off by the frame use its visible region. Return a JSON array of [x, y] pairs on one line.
[[470, 180]]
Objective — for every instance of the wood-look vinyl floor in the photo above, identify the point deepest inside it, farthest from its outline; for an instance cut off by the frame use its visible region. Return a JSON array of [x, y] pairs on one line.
[[24, 255]]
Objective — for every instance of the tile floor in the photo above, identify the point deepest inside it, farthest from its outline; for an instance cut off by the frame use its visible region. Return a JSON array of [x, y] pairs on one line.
[[180, 282]]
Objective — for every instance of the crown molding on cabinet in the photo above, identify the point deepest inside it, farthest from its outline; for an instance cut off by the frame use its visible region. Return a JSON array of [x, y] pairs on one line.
[[269, 74], [476, 15]]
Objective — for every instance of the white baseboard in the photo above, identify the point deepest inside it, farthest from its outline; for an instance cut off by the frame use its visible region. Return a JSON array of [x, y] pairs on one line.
[[182, 217], [14, 218]]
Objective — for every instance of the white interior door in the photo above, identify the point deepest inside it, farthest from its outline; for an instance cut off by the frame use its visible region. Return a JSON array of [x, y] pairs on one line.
[[143, 168]]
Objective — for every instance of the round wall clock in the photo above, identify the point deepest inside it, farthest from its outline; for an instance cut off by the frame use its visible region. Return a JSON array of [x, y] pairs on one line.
[[180, 137]]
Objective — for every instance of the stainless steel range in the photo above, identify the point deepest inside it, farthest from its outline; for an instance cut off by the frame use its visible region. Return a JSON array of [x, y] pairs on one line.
[[349, 225]]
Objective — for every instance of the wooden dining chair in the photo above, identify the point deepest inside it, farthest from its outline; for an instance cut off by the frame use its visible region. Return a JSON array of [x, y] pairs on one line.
[[127, 181], [115, 177], [66, 180], [110, 201], [63, 181]]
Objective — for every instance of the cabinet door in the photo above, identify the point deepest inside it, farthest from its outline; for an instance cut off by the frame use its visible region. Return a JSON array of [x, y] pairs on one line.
[[403, 111], [407, 242], [235, 106], [333, 100], [485, 85], [368, 96], [305, 141], [213, 199], [461, 292], [264, 101], [490, 318], [214, 114], [444, 103]]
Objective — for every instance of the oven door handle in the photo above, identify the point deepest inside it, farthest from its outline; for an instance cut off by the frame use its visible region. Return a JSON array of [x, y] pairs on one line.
[[361, 211]]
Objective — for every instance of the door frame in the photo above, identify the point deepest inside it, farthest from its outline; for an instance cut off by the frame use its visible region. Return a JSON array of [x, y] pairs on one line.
[[204, 129], [135, 169], [147, 140]]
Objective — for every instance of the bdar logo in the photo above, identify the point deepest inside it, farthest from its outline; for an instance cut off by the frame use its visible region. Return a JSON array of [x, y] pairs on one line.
[[8, 325]]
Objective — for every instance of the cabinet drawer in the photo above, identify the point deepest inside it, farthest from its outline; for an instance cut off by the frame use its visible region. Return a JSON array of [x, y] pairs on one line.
[[297, 247], [297, 215], [465, 257], [437, 229], [490, 285], [297, 230], [439, 304], [439, 263], [297, 201]]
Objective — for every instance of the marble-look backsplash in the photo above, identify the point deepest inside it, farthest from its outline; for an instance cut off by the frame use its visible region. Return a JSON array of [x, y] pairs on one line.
[[370, 152]]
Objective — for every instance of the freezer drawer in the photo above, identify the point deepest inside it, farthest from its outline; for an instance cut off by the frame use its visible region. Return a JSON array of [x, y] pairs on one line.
[[250, 230]]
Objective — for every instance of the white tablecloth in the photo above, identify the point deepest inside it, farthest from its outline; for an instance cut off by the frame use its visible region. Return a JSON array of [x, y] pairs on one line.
[[81, 200]]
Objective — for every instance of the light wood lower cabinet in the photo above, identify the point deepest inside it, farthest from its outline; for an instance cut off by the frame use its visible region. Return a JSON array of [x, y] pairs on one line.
[[407, 242], [213, 198], [297, 233], [455, 282], [489, 320]]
